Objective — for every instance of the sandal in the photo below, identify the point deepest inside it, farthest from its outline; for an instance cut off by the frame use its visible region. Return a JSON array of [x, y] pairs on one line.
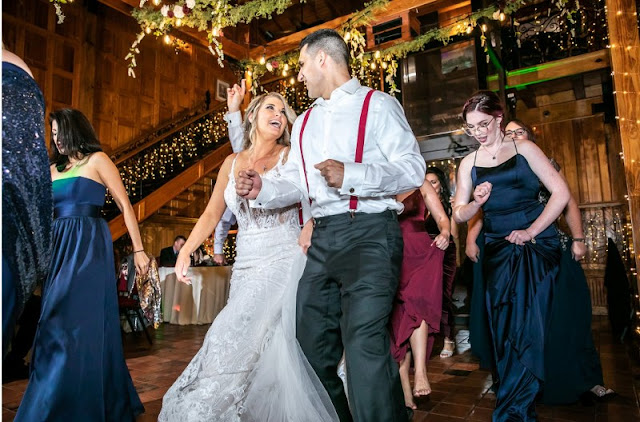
[[445, 352], [602, 393]]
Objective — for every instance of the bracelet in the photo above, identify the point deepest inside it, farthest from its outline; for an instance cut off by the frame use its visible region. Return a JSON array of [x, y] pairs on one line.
[[533, 239], [578, 239], [141, 250]]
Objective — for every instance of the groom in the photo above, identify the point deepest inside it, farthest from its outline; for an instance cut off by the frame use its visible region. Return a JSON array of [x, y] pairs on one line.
[[346, 292]]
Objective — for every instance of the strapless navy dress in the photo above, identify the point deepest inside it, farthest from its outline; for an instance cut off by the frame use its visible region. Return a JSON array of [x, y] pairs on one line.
[[519, 283], [78, 369]]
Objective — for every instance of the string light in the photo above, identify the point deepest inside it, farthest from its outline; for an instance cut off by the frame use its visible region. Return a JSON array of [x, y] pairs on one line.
[[167, 39]]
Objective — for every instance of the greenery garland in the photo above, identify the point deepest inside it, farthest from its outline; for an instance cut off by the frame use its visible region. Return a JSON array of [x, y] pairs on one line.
[[386, 58], [212, 16]]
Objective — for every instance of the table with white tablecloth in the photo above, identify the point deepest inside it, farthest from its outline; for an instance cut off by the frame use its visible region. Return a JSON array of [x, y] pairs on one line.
[[198, 303]]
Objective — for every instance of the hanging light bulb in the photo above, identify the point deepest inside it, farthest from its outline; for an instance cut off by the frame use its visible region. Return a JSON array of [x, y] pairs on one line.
[[167, 39], [373, 65], [377, 55], [263, 60], [147, 30], [292, 81], [501, 16], [178, 22], [284, 73], [156, 2]]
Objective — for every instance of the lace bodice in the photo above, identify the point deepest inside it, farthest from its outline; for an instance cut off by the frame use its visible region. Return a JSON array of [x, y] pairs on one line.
[[259, 219]]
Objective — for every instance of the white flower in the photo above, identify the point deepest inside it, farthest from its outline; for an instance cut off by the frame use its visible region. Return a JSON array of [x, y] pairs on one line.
[[142, 2], [191, 4], [177, 12], [131, 73], [269, 67], [164, 10]]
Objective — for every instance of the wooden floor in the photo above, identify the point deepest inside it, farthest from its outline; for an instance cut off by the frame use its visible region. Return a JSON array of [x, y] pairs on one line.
[[460, 389]]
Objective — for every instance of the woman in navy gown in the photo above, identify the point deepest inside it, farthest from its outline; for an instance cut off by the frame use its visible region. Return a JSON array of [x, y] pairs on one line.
[[572, 365], [417, 308], [78, 369], [522, 249]]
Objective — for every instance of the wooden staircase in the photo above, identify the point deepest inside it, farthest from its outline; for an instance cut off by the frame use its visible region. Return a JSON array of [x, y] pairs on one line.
[[187, 186]]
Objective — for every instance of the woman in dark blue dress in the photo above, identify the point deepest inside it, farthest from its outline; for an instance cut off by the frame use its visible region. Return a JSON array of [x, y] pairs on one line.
[[522, 250], [78, 368]]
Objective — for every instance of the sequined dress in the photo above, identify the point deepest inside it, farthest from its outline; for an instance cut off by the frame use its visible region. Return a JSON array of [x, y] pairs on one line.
[[27, 205], [78, 370]]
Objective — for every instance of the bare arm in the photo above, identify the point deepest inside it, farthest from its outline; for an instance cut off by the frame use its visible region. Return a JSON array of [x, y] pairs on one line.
[[574, 219], [108, 173], [432, 201], [206, 223], [552, 180], [463, 208], [474, 227]]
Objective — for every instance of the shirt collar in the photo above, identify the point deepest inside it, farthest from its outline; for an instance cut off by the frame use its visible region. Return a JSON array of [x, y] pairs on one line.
[[348, 88]]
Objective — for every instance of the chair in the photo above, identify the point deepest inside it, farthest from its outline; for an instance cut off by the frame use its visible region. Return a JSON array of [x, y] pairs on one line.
[[129, 301]]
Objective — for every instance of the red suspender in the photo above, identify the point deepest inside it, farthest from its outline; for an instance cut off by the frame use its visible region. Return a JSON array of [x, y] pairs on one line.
[[304, 168], [353, 201]]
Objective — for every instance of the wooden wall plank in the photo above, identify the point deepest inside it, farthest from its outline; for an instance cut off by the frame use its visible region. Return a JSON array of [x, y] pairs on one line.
[[625, 62]]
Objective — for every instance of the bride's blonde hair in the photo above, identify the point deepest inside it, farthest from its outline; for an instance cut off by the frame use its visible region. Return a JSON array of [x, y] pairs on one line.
[[250, 128]]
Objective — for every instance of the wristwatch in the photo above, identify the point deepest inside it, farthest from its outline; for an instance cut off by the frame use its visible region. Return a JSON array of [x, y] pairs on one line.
[[578, 239]]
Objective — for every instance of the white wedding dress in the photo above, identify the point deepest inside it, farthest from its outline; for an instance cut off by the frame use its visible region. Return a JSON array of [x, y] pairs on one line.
[[250, 366]]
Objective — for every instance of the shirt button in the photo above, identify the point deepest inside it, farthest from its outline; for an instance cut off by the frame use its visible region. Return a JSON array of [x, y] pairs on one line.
[[352, 190]]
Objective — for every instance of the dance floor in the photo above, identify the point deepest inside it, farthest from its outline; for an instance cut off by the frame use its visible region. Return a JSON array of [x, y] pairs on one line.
[[460, 390]]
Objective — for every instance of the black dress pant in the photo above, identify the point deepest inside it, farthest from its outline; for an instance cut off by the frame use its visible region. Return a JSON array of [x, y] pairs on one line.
[[344, 302]]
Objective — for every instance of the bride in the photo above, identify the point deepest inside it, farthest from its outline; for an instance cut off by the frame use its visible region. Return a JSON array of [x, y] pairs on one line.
[[250, 367]]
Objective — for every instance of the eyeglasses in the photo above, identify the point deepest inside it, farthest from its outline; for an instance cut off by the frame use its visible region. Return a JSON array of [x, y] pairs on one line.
[[517, 132], [482, 127]]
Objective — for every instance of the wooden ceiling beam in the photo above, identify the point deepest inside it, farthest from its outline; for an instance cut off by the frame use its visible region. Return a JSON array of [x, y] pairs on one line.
[[291, 42]]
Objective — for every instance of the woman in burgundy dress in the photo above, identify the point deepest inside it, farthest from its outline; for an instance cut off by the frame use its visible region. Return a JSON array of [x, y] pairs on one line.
[[418, 304], [439, 183]]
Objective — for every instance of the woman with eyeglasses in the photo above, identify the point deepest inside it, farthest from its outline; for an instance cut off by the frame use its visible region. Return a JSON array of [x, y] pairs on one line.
[[522, 249]]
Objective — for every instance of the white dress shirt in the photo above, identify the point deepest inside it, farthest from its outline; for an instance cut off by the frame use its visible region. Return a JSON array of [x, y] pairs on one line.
[[236, 137], [391, 162]]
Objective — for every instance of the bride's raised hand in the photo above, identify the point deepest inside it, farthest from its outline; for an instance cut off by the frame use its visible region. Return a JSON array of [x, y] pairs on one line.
[[182, 267], [235, 96]]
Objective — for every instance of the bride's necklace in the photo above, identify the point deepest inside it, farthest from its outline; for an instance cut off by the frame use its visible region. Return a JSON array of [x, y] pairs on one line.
[[497, 149], [266, 156]]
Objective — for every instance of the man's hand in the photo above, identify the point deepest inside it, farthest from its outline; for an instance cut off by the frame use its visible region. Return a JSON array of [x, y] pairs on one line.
[[235, 96], [218, 258], [332, 171], [248, 184]]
